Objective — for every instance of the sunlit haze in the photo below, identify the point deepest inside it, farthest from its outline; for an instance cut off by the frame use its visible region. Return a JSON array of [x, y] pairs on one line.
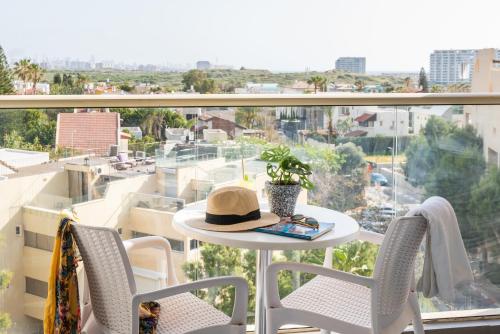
[[280, 35]]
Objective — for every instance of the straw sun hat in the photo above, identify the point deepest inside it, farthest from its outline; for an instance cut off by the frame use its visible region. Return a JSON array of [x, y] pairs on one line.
[[232, 209]]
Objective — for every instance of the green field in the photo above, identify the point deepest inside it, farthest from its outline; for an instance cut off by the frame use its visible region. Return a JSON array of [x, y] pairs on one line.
[[225, 78]]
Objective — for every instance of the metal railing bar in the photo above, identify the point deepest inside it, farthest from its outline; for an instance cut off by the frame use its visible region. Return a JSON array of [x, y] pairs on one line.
[[236, 100]]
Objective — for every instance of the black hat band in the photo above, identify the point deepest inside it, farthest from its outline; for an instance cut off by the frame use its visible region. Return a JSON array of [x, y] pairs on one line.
[[231, 219]]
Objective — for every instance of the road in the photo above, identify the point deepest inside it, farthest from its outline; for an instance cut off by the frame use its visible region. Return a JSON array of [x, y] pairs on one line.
[[405, 192]]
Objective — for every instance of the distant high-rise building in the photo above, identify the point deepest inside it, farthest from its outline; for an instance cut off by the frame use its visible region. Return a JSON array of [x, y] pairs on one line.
[[203, 65], [351, 64], [452, 66]]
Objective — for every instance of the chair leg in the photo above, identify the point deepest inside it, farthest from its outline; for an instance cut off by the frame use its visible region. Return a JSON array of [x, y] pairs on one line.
[[418, 326], [272, 327]]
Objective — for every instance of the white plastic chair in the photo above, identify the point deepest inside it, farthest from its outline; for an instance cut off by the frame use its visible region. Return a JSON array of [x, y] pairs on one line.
[[115, 301], [345, 303]]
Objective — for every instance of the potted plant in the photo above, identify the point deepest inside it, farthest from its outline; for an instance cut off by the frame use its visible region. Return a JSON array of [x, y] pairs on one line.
[[288, 175]]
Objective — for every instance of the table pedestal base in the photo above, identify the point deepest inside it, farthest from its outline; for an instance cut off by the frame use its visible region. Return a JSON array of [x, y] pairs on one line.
[[264, 258]]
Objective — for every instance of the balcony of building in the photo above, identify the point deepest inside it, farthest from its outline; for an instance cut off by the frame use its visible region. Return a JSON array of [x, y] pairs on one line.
[[142, 199]]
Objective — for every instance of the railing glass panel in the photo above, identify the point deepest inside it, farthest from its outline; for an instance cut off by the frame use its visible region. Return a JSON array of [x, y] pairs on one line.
[[373, 163]]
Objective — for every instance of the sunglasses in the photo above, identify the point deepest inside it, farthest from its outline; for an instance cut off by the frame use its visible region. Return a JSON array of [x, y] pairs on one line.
[[304, 221]]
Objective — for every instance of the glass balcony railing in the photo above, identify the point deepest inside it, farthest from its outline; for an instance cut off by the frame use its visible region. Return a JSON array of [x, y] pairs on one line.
[[373, 157]]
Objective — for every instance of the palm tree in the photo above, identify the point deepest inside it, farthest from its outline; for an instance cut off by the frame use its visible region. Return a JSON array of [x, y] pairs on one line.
[[248, 116], [329, 114], [81, 79], [22, 70], [318, 82], [35, 75], [154, 124]]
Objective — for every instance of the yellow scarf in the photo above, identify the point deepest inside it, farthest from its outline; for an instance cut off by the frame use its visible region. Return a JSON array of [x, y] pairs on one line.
[[62, 307]]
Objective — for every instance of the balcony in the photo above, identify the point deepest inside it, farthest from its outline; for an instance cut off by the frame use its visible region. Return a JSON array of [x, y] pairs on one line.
[[442, 155]]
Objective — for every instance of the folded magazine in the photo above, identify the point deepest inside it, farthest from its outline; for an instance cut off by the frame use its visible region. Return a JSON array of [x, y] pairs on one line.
[[288, 229]]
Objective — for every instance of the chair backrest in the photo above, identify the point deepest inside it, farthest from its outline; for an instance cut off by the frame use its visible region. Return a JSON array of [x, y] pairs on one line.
[[394, 269], [110, 277]]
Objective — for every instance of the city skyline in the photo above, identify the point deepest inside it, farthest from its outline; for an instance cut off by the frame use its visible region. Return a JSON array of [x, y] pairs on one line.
[[236, 33]]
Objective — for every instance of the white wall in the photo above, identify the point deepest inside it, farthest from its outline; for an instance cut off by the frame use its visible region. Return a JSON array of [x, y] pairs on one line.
[[486, 119], [14, 193]]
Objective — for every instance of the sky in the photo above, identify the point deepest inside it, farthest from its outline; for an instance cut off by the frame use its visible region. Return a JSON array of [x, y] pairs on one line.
[[280, 35]]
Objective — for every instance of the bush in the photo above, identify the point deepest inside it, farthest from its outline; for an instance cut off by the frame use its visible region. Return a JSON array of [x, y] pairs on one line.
[[376, 145]]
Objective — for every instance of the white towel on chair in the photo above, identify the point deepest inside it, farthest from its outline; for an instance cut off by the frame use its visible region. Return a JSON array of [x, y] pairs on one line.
[[445, 264]]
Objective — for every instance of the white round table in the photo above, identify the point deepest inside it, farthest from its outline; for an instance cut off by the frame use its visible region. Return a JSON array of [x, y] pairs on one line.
[[346, 229]]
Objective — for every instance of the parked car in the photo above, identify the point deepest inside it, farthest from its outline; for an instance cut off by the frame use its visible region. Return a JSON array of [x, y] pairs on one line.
[[378, 178]]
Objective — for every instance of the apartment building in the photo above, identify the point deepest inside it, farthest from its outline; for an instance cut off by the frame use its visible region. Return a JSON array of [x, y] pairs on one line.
[[453, 66], [312, 118], [385, 121], [203, 65], [486, 119], [351, 64], [259, 88], [137, 203]]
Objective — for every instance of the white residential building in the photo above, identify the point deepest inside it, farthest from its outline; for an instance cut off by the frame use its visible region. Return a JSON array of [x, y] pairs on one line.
[[388, 121], [22, 87], [259, 88], [452, 66], [135, 131], [351, 64], [203, 65], [11, 160], [486, 119]]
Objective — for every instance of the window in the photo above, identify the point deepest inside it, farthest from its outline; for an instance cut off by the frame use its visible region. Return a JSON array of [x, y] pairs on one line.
[[345, 110], [40, 241], [177, 245], [36, 287], [493, 157]]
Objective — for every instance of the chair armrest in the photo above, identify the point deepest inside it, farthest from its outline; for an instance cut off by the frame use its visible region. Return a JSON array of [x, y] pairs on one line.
[[373, 237], [240, 301], [272, 295], [155, 242]]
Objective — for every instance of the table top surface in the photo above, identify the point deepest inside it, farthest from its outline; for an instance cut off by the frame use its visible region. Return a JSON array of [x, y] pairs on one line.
[[346, 229]]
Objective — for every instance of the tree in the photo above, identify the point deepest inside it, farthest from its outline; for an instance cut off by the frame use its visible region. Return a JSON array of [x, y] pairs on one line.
[[448, 162], [67, 85], [423, 84], [319, 82], [352, 157], [343, 187], [483, 211], [199, 82], [67, 80], [355, 258], [248, 116], [388, 87], [5, 279], [153, 121], [437, 89], [126, 87], [57, 80], [81, 79], [344, 126], [215, 261], [35, 75], [207, 86], [22, 70], [329, 114], [360, 85], [38, 127], [6, 86]]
